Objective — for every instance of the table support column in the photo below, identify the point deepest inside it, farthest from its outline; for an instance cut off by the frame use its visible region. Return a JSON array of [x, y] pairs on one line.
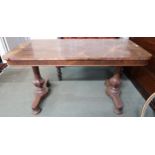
[[41, 90], [113, 90], [59, 72]]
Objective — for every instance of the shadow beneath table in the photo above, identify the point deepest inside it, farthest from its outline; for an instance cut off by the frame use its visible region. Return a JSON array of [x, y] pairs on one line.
[[88, 73]]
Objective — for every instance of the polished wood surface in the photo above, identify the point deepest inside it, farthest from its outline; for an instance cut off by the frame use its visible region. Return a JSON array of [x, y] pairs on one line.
[[79, 52], [144, 77], [59, 68]]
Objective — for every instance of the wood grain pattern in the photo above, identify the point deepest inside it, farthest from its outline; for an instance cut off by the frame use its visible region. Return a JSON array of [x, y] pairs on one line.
[[59, 68], [144, 77], [79, 52]]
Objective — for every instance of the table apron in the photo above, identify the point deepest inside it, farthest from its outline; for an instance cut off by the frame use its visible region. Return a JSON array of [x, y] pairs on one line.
[[78, 62]]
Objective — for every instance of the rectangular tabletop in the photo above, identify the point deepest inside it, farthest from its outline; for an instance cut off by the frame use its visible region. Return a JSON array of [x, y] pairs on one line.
[[78, 52]]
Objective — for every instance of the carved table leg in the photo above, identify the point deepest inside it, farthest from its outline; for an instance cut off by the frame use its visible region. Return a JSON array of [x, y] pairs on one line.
[[113, 90], [59, 73], [41, 91]]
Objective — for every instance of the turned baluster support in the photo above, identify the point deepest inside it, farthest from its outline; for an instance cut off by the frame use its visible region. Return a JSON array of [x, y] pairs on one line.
[[59, 72], [113, 90], [41, 89]]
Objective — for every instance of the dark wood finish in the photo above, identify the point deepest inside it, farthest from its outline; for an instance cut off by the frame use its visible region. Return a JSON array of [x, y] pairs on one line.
[[113, 90], [78, 52], [144, 77], [59, 72], [2, 66], [88, 37], [0, 60], [41, 90]]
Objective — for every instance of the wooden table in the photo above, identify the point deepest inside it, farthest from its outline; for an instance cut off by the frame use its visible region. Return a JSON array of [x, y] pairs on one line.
[[78, 52]]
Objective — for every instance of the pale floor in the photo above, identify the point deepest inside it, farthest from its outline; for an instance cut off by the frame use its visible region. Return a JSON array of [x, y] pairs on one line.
[[81, 93]]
